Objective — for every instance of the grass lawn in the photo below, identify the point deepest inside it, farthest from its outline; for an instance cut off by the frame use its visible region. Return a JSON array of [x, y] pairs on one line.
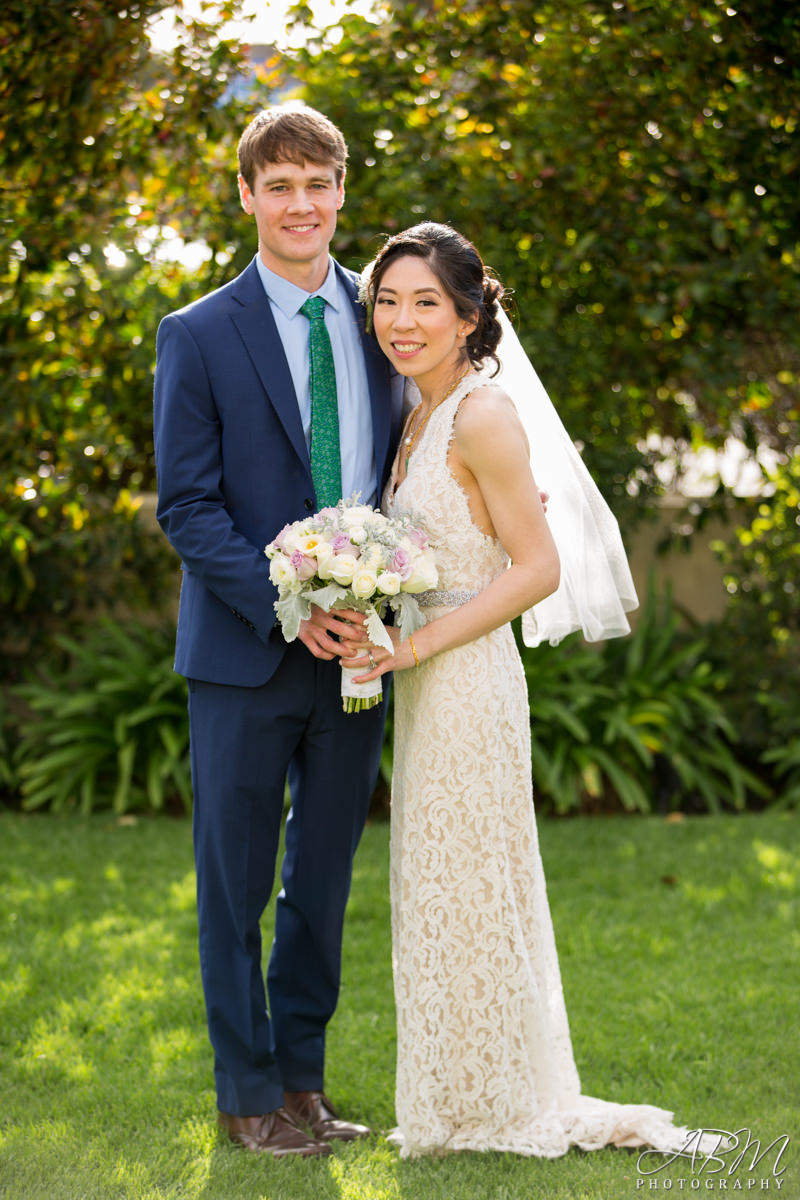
[[679, 946]]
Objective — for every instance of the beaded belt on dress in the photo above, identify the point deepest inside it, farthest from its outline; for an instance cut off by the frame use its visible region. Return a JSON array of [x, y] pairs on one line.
[[438, 598]]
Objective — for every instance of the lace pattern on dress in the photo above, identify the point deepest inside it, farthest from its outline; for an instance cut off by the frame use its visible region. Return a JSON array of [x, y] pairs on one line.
[[484, 1055]]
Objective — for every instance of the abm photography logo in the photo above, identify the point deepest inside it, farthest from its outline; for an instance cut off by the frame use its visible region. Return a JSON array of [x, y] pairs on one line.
[[720, 1161]]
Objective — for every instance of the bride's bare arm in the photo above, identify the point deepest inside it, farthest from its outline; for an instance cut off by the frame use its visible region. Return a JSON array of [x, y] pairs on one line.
[[490, 459]]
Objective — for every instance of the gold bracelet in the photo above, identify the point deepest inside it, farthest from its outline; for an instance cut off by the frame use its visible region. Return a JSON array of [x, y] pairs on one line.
[[413, 650]]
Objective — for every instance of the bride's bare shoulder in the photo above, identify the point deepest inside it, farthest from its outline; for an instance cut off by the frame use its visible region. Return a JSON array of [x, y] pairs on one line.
[[486, 408]]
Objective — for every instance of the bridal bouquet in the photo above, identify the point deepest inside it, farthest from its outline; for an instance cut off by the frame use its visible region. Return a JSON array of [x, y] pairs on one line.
[[352, 556]]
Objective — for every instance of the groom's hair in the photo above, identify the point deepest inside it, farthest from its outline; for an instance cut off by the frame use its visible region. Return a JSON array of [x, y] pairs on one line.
[[291, 133], [458, 266]]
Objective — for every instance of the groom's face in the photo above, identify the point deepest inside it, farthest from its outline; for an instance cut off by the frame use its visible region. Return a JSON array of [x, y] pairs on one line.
[[295, 208]]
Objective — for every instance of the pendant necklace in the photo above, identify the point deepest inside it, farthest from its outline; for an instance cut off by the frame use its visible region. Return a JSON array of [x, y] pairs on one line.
[[414, 432]]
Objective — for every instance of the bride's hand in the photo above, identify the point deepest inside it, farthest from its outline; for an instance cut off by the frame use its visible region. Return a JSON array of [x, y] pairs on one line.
[[378, 661]]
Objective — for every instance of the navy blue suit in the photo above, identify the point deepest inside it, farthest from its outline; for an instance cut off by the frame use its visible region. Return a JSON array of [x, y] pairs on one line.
[[233, 469]]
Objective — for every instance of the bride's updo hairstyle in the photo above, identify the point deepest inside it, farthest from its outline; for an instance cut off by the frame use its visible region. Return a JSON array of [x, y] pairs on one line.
[[459, 268]]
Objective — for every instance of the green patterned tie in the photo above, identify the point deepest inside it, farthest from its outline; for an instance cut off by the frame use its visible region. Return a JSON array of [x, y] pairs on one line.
[[326, 464]]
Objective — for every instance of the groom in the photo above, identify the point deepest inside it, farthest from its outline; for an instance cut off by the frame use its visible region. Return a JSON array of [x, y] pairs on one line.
[[244, 445]]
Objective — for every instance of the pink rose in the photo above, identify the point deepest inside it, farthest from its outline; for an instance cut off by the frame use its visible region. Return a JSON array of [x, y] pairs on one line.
[[417, 537], [304, 566], [342, 545], [280, 540], [401, 563]]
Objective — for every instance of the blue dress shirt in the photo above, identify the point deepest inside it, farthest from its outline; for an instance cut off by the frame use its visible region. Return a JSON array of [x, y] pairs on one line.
[[352, 390]]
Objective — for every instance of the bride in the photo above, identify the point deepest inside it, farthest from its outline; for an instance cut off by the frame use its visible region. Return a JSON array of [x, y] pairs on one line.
[[484, 1056]]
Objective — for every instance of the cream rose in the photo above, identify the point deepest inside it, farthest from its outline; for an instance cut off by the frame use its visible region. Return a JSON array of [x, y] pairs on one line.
[[364, 583], [325, 560], [281, 571], [389, 582], [342, 568], [423, 577], [293, 537], [372, 556]]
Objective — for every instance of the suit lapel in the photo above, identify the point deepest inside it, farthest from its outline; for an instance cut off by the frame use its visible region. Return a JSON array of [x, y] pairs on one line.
[[257, 329]]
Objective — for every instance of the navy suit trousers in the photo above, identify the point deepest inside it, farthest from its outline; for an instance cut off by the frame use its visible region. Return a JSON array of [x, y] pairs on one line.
[[245, 741]]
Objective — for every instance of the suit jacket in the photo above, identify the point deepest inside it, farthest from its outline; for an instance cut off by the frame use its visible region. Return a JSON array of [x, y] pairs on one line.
[[233, 468]]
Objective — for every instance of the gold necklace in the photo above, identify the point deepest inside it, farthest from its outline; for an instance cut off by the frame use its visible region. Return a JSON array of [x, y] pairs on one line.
[[413, 433]]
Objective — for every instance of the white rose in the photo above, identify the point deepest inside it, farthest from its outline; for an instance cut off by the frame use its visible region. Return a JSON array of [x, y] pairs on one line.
[[292, 539], [424, 575], [325, 559], [364, 583], [372, 556], [281, 571], [357, 533], [342, 568], [356, 515], [389, 582]]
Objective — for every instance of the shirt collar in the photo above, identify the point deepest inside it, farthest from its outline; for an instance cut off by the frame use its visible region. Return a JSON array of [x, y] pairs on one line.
[[289, 297]]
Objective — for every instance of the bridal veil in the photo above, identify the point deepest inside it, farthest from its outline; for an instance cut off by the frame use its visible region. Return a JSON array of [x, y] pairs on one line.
[[596, 588]]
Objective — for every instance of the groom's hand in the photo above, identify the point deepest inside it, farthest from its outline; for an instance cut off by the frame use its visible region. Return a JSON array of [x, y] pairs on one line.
[[330, 634]]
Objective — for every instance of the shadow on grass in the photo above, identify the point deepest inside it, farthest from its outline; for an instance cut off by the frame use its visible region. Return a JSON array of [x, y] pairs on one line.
[[103, 1033], [678, 943]]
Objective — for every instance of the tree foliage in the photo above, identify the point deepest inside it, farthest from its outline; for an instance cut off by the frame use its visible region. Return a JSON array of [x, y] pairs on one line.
[[758, 640], [629, 168], [108, 153], [631, 171]]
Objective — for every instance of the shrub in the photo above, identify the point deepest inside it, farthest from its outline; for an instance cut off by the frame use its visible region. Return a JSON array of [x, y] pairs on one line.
[[757, 644], [786, 762], [782, 753], [109, 729], [65, 556], [639, 722], [8, 771], [762, 564]]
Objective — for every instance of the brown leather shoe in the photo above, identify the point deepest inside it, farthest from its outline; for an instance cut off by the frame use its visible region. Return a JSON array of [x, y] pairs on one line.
[[315, 1111], [274, 1133]]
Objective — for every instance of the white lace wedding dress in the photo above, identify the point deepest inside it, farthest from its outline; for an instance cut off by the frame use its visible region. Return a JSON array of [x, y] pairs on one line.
[[484, 1057]]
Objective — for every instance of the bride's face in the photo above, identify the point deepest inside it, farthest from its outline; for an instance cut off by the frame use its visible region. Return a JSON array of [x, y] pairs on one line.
[[416, 322]]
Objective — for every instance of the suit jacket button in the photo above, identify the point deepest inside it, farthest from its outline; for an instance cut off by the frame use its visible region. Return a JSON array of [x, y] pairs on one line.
[[309, 504]]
